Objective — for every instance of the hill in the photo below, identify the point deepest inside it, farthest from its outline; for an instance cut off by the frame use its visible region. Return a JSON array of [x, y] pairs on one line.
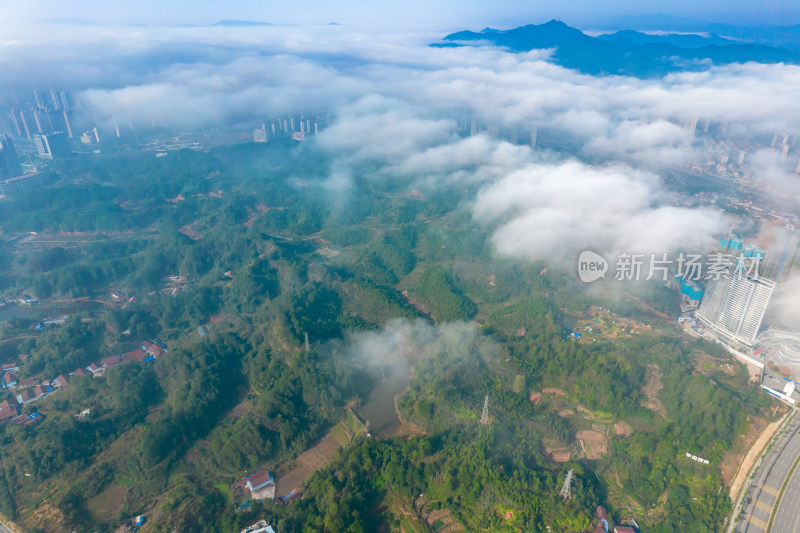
[[627, 52], [682, 40]]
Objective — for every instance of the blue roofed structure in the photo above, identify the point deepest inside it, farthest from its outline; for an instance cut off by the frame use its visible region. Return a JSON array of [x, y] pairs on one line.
[[691, 289]]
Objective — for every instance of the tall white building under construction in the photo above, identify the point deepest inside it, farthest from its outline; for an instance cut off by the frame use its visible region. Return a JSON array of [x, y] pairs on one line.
[[734, 306]]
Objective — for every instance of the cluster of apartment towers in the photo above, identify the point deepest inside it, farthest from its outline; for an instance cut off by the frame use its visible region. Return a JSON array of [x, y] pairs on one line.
[[734, 305]]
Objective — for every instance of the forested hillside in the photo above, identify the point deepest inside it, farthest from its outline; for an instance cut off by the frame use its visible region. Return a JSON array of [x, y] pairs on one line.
[[283, 305]]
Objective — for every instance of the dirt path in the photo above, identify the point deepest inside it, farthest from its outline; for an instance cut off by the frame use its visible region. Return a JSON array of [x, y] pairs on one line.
[[753, 455]]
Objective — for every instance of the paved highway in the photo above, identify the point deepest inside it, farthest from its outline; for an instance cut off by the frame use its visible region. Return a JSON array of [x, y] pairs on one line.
[[766, 485], [787, 517]]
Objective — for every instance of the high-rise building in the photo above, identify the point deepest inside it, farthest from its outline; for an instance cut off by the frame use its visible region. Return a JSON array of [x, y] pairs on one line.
[[13, 116], [9, 164], [734, 305], [260, 135], [37, 121], [55, 100], [39, 100], [25, 123], [53, 145]]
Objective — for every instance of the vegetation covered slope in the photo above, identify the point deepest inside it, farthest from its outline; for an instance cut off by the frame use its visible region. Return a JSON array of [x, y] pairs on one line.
[[263, 257]]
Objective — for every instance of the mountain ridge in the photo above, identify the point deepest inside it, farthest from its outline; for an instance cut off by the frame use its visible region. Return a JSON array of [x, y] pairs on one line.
[[626, 52]]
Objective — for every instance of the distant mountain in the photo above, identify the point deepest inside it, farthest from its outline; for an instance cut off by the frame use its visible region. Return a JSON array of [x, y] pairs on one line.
[[779, 36], [652, 22], [242, 23], [627, 52], [681, 40], [787, 36]]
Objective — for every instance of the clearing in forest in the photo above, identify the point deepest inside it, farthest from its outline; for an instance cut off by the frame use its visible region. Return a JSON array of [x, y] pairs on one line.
[[650, 391], [623, 429], [107, 506]]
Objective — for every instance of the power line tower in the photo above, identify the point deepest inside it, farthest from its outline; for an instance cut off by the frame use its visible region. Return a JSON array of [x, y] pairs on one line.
[[566, 490], [485, 414]]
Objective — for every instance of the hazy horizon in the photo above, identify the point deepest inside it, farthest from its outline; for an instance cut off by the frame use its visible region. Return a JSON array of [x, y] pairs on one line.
[[444, 14]]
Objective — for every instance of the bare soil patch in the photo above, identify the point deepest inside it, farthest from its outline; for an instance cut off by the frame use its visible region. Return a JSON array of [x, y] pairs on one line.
[[416, 303], [752, 456], [443, 518], [557, 451], [46, 517], [241, 409], [253, 215], [623, 429], [593, 444]]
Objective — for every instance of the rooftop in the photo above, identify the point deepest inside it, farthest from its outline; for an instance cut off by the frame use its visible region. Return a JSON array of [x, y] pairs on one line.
[[259, 479], [136, 355], [110, 361]]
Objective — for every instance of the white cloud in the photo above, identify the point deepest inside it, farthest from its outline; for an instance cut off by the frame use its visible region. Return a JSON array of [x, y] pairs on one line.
[[554, 210], [395, 104], [785, 304]]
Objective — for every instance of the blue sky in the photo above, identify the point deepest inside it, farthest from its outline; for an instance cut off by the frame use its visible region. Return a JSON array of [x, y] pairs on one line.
[[442, 13]]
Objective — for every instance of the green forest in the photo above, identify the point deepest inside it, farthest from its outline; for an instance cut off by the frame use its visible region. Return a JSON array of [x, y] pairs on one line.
[[300, 290]]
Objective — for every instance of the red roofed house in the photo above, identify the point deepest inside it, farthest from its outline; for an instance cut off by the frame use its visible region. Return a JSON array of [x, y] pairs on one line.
[[10, 379], [27, 420], [41, 390], [26, 396], [61, 381], [8, 410], [9, 366], [111, 361], [259, 480], [136, 355], [30, 382], [93, 368], [79, 372], [153, 349], [624, 529], [8, 403]]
